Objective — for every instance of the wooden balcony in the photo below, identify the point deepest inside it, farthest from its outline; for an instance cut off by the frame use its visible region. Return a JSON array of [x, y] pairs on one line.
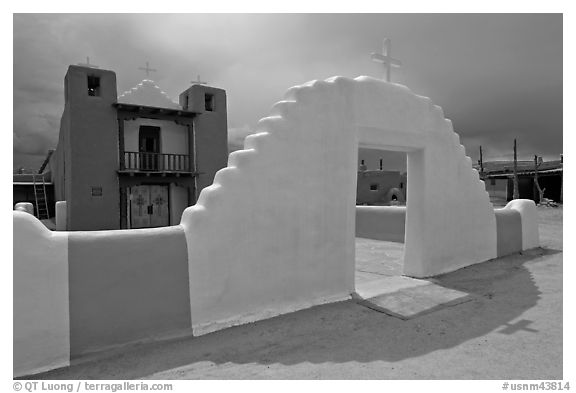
[[132, 162]]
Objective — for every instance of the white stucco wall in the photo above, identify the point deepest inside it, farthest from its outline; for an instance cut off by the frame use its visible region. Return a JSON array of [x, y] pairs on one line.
[[529, 216], [25, 207], [381, 223], [450, 221], [276, 229], [173, 137], [41, 316]]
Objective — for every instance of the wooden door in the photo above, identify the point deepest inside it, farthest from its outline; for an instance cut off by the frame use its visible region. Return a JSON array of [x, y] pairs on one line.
[[149, 206], [139, 207], [159, 202]]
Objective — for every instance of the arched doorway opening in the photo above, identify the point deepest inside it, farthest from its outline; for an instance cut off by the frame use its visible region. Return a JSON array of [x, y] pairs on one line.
[[381, 192], [387, 236]]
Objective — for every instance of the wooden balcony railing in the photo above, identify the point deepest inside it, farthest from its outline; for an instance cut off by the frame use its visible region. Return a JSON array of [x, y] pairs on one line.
[[157, 162]]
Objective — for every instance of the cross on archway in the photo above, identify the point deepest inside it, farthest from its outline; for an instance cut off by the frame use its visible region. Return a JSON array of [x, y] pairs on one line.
[[87, 64], [198, 81], [147, 69], [386, 58]]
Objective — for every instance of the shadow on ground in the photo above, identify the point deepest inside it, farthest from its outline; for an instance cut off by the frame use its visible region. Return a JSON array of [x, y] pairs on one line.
[[502, 290]]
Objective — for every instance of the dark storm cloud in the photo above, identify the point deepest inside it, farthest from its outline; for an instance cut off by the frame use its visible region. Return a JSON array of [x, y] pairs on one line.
[[497, 77]]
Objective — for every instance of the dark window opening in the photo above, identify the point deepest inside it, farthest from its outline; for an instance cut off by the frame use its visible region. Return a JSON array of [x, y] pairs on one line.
[[209, 102], [374, 187], [492, 182], [401, 185], [96, 191], [186, 102], [149, 148], [93, 85]]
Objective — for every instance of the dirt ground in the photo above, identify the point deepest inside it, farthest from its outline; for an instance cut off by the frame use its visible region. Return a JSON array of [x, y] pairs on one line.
[[512, 329]]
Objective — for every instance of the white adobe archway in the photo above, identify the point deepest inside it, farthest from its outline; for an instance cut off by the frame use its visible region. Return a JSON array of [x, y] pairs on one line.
[[275, 232]]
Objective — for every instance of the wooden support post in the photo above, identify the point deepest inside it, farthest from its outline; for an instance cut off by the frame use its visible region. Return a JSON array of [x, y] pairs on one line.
[[537, 163], [516, 194], [123, 207], [121, 143], [481, 162]]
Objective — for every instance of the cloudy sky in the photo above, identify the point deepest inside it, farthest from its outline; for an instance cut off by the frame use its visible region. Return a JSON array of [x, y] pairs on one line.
[[497, 76]]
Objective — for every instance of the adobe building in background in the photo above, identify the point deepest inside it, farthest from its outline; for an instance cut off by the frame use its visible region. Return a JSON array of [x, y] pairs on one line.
[[136, 160], [498, 179], [379, 186]]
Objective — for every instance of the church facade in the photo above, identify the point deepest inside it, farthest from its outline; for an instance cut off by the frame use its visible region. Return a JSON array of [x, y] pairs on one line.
[[136, 160]]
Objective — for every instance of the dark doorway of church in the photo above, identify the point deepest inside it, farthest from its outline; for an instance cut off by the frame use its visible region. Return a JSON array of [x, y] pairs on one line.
[[149, 206], [149, 147]]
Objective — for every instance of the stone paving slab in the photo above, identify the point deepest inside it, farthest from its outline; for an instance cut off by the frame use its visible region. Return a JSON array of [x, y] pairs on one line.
[[380, 285], [405, 301], [379, 257]]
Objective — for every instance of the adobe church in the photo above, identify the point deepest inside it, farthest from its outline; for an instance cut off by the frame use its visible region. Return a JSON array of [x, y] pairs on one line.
[[136, 160]]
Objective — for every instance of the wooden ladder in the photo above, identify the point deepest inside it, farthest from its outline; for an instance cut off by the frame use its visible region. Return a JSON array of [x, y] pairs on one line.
[[40, 197]]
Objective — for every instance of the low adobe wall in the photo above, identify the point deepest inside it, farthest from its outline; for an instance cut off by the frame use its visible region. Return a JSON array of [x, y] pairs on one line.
[[76, 292], [517, 227], [41, 317], [529, 215], [381, 222], [126, 286], [509, 230]]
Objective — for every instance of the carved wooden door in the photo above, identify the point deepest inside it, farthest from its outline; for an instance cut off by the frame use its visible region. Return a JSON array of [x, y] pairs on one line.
[[149, 206], [139, 206], [159, 202]]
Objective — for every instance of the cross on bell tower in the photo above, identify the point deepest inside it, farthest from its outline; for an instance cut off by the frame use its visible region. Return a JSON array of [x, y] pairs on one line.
[[87, 64], [198, 81], [147, 69], [386, 58]]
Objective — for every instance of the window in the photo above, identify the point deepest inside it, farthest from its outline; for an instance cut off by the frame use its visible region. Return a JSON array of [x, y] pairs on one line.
[[209, 102], [374, 187], [492, 182], [96, 191], [93, 85], [186, 102], [401, 185]]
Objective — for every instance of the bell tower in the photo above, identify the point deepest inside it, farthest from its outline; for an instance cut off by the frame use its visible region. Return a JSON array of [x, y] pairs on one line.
[[210, 130], [89, 130]]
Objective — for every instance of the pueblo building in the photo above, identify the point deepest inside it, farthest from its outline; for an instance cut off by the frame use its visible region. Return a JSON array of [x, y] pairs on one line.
[[498, 179], [136, 160], [377, 186]]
